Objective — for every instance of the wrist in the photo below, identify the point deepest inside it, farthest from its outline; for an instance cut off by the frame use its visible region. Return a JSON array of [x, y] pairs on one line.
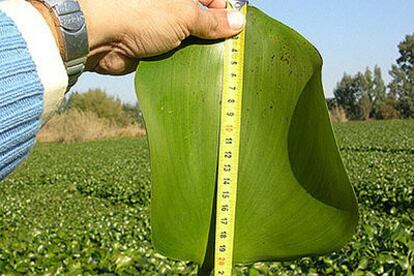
[[94, 33], [68, 25]]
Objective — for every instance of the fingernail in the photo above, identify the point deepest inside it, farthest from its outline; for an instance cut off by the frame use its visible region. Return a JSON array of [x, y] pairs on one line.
[[236, 20]]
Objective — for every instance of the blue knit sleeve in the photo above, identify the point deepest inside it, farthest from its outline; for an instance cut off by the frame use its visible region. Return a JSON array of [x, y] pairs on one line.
[[21, 97]]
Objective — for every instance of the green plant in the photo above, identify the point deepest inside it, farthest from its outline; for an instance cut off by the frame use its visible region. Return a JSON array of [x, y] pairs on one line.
[[294, 197], [84, 209]]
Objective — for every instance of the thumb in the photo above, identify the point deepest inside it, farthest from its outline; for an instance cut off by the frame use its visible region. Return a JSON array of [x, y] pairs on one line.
[[217, 23]]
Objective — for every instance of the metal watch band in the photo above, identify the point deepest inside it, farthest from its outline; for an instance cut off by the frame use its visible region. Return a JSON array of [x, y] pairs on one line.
[[73, 27]]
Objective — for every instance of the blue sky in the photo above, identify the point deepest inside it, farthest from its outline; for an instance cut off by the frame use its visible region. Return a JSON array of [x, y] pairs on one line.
[[350, 35]]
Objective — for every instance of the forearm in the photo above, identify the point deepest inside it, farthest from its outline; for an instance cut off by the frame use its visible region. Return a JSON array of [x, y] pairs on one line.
[[121, 32], [101, 30]]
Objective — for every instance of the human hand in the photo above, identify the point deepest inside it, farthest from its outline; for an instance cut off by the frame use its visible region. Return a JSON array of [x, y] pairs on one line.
[[121, 32]]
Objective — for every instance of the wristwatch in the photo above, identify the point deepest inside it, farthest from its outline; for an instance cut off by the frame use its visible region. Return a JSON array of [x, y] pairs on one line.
[[71, 21]]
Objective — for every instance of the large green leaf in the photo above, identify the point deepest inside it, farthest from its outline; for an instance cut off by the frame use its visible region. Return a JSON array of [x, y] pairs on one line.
[[294, 197]]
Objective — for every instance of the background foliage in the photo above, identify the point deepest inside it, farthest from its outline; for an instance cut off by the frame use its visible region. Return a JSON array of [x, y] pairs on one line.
[[104, 106], [92, 115], [365, 96], [84, 208]]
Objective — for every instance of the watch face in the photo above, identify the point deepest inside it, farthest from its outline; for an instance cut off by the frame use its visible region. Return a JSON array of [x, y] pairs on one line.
[[72, 22], [70, 15], [75, 38], [66, 6]]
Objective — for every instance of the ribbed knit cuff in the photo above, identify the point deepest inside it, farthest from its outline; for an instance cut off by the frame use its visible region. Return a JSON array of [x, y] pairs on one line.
[[21, 97], [43, 50]]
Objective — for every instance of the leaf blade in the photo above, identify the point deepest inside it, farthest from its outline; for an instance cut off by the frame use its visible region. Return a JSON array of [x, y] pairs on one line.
[[294, 197]]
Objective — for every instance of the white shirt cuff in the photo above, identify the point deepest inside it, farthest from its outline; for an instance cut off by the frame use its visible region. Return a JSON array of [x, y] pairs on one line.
[[43, 49]]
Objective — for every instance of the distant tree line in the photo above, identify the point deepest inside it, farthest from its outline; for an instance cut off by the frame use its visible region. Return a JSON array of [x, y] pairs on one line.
[[365, 95], [104, 106]]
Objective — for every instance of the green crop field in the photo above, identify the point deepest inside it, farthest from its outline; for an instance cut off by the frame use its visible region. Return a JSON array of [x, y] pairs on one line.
[[84, 209]]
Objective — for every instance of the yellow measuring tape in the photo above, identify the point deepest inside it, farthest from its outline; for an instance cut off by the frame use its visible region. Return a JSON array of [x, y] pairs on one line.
[[229, 152]]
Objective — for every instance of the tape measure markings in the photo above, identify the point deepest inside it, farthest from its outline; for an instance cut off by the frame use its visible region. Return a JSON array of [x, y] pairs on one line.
[[229, 148]]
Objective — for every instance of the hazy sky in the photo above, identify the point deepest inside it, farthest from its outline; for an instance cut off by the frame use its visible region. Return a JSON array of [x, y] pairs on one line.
[[350, 34]]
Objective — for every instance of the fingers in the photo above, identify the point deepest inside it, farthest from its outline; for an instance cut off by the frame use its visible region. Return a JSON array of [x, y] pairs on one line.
[[214, 4], [217, 23]]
